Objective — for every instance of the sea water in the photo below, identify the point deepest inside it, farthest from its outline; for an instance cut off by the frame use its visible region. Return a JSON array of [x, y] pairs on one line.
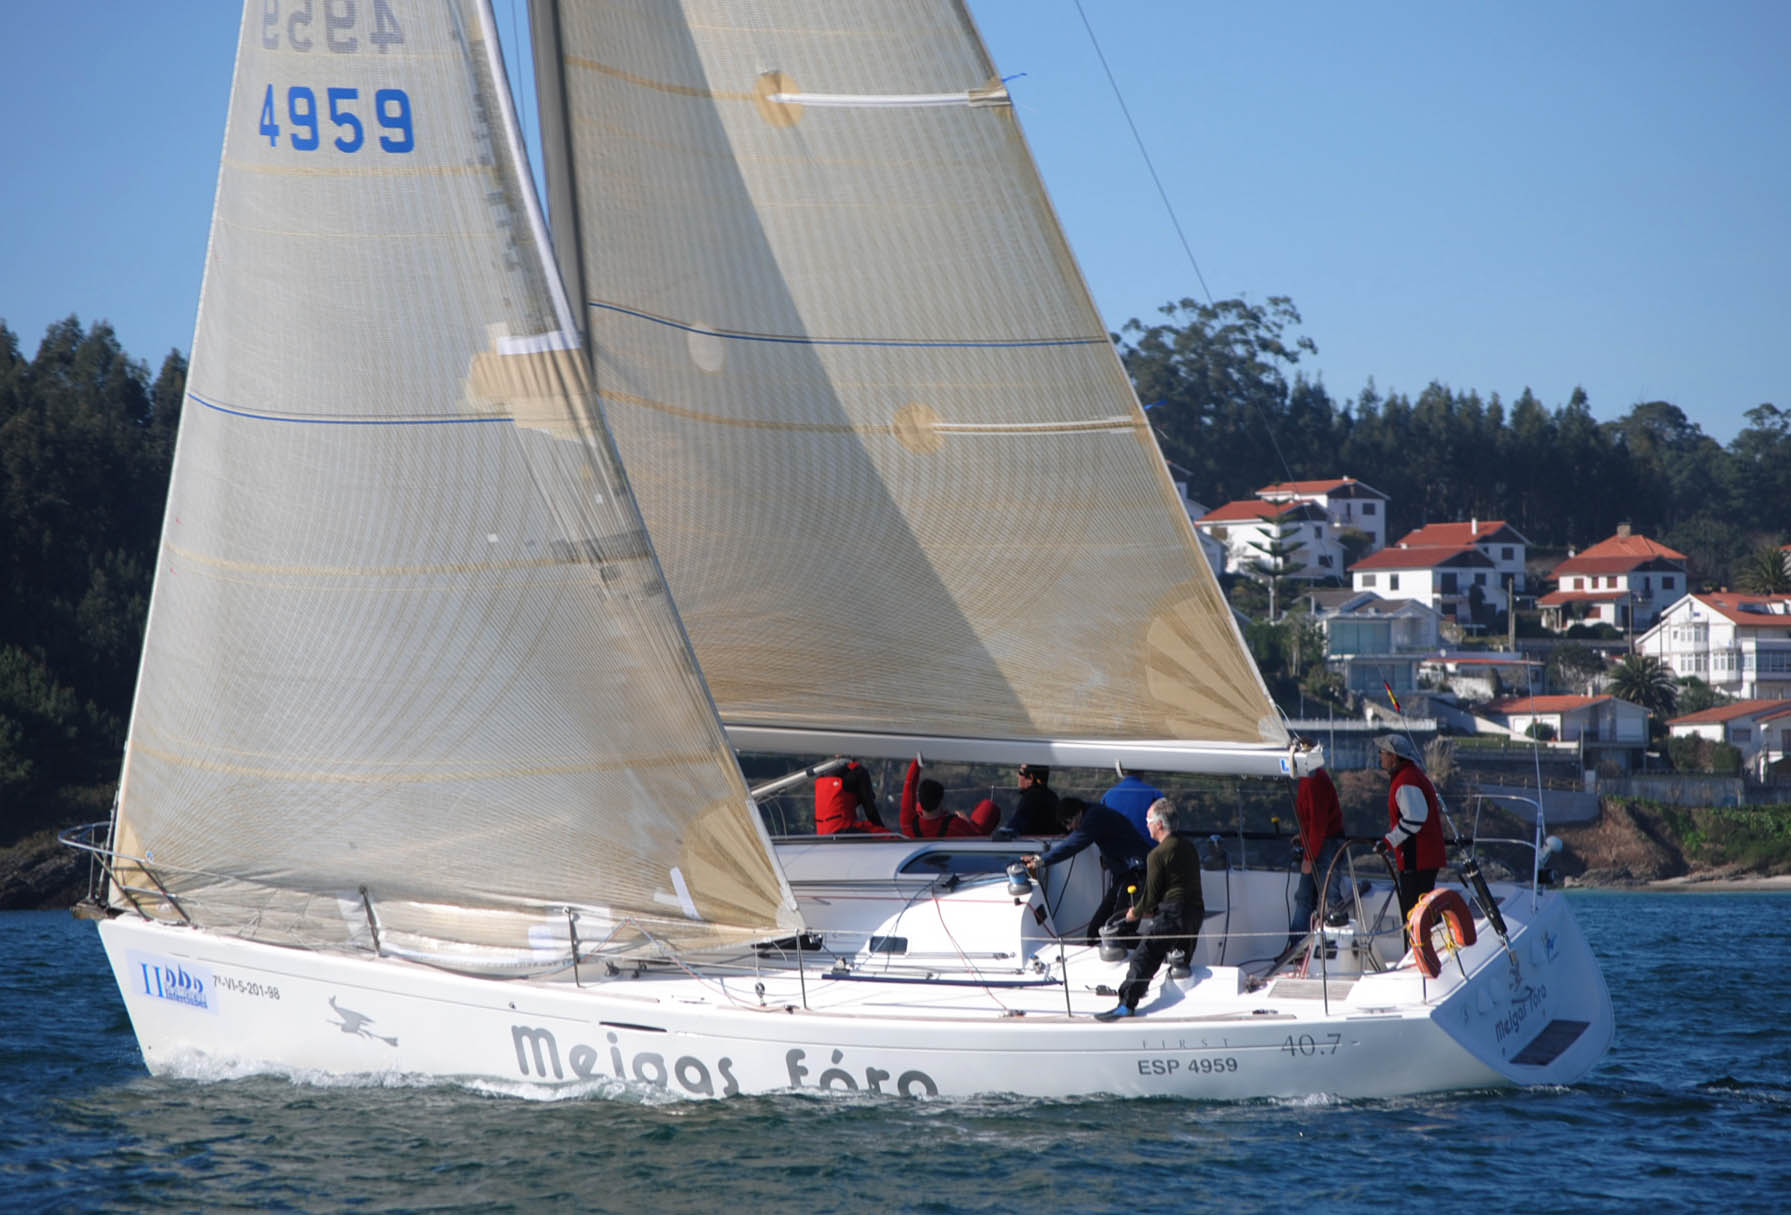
[[1690, 1112]]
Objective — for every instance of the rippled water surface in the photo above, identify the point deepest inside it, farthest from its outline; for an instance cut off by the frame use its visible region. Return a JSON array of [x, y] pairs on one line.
[[1691, 1111]]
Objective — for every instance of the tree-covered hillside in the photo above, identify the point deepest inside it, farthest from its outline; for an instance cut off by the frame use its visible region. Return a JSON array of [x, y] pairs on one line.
[[86, 437], [1229, 405], [86, 440]]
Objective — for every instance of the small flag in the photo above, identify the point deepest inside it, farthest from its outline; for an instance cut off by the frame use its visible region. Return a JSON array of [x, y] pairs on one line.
[[1392, 698]]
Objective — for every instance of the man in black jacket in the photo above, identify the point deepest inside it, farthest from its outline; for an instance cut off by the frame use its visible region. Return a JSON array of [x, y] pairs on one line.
[[1037, 814], [1170, 913]]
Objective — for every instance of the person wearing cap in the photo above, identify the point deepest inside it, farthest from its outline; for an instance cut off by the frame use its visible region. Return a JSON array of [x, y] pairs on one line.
[[1415, 821], [1037, 814]]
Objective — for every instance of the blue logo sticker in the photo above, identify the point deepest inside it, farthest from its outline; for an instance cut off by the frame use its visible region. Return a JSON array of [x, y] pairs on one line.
[[167, 979]]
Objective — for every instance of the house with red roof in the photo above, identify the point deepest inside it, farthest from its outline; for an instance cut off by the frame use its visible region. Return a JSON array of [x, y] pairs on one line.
[[1254, 532], [1605, 727], [1502, 543], [1739, 644], [1625, 582], [1349, 504], [1210, 548], [1453, 579], [1759, 729]]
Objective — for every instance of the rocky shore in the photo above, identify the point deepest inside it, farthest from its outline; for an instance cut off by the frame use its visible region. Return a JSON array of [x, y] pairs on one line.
[[39, 874]]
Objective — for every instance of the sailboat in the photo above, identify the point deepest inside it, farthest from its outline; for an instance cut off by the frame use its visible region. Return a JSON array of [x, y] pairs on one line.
[[486, 554]]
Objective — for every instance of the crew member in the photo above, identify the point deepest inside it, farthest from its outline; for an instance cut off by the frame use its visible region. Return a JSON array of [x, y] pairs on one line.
[[1415, 821], [1132, 797], [1037, 814], [1122, 851], [923, 810], [1320, 817], [846, 801], [1170, 913]]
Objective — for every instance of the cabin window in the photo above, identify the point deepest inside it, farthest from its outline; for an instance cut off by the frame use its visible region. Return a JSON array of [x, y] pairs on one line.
[[939, 861]]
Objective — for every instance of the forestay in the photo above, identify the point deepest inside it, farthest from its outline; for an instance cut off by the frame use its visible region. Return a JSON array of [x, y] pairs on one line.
[[899, 482], [411, 669]]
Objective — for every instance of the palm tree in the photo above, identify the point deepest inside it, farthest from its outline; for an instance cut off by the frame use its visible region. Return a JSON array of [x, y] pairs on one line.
[[1645, 680], [1764, 571]]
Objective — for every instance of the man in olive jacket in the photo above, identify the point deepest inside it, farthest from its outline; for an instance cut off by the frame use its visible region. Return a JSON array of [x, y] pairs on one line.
[[1170, 913]]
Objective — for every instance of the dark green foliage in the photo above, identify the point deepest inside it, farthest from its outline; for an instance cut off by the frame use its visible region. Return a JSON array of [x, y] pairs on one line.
[[1571, 667], [1752, 838], [86, 442], [1224, 408], [1645, 680], [1695, 696]]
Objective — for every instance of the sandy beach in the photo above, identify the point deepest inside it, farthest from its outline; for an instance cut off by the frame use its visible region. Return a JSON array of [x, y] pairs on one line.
[[1696, 882]]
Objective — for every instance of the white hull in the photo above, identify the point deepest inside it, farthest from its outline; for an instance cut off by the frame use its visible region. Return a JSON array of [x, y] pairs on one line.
[[1535, 1014]]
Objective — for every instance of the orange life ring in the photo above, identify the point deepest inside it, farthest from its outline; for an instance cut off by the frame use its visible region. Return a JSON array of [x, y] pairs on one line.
[[1439, 906]]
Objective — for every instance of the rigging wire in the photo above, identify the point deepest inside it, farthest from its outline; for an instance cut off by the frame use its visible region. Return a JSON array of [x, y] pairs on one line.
[[1169, 207], [1144, 152]]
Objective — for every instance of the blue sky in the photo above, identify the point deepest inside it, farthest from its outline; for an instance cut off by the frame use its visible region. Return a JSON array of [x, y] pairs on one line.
[[1491, 196]]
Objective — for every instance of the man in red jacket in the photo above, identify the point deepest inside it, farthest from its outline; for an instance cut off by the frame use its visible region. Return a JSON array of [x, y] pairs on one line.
[[924, 815], [840, 798], [1321, 839], [1415, 821]]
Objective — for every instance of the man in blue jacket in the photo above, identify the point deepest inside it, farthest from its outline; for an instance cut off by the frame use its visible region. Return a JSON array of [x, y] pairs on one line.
[[1132, 797], [1121, 847]]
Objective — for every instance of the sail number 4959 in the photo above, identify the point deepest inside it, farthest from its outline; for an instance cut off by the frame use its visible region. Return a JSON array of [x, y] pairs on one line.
[[298, 106]]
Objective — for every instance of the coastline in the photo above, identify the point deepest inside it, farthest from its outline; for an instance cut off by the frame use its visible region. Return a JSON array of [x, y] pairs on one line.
[[1694, 881]]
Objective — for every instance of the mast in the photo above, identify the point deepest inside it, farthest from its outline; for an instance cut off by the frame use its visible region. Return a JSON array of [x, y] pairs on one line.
[[556, 151]]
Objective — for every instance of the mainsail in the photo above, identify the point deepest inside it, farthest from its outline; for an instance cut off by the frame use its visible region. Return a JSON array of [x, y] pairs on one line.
[[411, 673], [900, 485]]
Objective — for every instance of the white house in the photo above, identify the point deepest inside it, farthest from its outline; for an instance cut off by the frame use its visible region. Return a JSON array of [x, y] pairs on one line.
[[1625, 582], [1372, 641], [1503, 545], [1759, 729], [1615, 728], [1349, 504], [1211, 549], [1739, 644], [1450, 578], [1250, 530]]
